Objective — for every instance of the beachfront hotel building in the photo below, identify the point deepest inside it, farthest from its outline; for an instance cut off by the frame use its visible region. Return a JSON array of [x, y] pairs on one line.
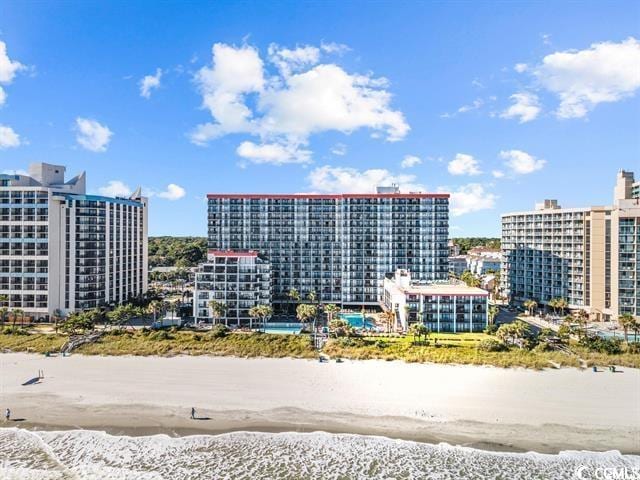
[[441, 306], [338, 246], [239, 280], [63, 250], [589, 256]]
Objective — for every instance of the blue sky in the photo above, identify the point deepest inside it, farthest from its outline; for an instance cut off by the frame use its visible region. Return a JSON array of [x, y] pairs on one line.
[[502, 104]]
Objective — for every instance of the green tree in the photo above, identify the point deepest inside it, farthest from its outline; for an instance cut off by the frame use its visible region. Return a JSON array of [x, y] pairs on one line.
[[513, 333], [294, 297], [262, 312], [470, 279], [18, 312], [218, 309], [3, 314], [77, 322], [389, 317], [331, 309], [156, 307], [419, 330], [493, 311], [340, 328], [122, 315], [306, 312], [627, 322], [530, 305]]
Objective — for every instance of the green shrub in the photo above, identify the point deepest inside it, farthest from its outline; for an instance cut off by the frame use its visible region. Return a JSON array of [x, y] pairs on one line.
[[218, 331], [611, 346], [160, 335], [491, 329], [491, 345], [15, 331]]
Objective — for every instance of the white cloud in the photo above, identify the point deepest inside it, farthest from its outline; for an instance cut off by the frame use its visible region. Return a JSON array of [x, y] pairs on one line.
[[334, 48], [497, 173], [274, 153], [8, 137], [294, 60], [150, 82], [463, 164], [8, 70], [327, 179], [410, 161], [525, 107], [285, 107], [173, 192], [546, 38], [92, 135], [605, 72], [339, 149], [475, 105], [520, 162], [115, 188], [521, 67], [469, 198]]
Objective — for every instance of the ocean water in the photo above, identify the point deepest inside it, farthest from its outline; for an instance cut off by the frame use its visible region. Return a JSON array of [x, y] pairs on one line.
[[84, 454]]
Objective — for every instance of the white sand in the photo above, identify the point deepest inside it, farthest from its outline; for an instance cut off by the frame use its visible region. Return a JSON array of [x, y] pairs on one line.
[[568, 407]]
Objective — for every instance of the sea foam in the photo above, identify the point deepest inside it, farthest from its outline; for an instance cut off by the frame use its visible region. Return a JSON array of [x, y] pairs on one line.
[[96, 455]]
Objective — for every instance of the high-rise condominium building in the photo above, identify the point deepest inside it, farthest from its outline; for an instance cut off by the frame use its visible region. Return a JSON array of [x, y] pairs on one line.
[[238, 280], [338, 246], [588, 256], [61, 249]]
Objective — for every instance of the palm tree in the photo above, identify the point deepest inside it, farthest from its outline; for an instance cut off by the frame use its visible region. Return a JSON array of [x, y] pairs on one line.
[[493, 311], [562, 305], [57, 316], [418, 330], [306, 312], [17, 312], [217, 310], [389, 317], [294, 296], [155, 307], [260, 311], [582, 319], [627, 322], [530, 305], [3, 314], [331, 309]]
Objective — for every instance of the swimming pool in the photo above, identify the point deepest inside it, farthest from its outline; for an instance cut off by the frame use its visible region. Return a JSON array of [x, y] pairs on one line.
[[357, 320], [281, 328], [606, 334]]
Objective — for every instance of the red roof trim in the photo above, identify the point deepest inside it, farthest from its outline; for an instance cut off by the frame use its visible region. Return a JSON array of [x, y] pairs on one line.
[[314, 196], [232, 253]]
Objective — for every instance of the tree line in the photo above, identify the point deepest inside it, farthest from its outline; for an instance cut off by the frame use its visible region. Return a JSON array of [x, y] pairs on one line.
[[177, 251]]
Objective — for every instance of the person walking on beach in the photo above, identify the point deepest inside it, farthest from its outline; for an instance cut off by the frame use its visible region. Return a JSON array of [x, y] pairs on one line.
[[193, 413], [7, 415]]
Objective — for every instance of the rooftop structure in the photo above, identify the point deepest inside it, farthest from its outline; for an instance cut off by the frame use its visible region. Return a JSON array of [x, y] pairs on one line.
[[441, 306]]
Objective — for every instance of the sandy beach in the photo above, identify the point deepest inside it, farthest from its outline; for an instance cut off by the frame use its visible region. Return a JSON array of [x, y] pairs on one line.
[[482, 407]]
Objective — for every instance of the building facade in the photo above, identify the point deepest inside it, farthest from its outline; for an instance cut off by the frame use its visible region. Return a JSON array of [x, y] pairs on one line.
[[587, 256], [442, 307], [63, 250], [338, 246], [239, 280]]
